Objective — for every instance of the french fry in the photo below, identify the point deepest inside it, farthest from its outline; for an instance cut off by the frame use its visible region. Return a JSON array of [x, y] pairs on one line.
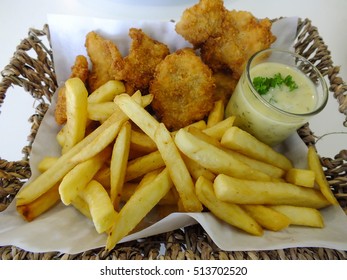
[[130, 188], [141, 142], [82, 206], [76, 112], [300, 177], [301, 216], [101, 111], [103, 177], [61, 136], [217, 131], [40, 205], [269, 169], [46, 163], [200, 125], [315, 165], [137, 114], [241, 141], [217, 113], [108, 135], [119, 162], [177, 169], [167, 148], [142, 165], [63, 165], [129, 216], [76, 179], [106, 92], [267, 217], [196, 170], [263, 167], [215, 159], [228, 212], [241, 191], [100, 206]]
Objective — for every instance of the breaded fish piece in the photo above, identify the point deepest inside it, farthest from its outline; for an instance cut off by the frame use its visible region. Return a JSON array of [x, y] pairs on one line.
[[242, 36], [104, 56], [79, 70], [201, 21], [227, 39], [139, 65], [225, 86], [182, 89]]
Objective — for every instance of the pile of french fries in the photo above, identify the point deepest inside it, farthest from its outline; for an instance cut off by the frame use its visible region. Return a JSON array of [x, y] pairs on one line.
[[118, 163]]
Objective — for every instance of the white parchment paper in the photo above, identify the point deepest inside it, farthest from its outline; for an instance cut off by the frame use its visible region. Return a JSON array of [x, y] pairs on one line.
[[65, 230]]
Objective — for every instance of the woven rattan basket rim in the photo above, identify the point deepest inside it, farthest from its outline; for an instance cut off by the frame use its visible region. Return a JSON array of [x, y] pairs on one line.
[[36, 76]]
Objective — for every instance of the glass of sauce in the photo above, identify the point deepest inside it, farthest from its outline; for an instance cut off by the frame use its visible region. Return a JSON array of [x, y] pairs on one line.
[[277, 93]]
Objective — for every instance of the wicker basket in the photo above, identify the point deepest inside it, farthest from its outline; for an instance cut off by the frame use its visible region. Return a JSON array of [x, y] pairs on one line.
[[35, 73]]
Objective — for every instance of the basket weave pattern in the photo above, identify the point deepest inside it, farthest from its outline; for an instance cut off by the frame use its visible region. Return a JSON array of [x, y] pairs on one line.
[[32, 68]]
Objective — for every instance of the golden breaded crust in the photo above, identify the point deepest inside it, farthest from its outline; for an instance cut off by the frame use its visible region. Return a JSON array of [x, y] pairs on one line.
[[145, 54], [182, 88], [104, 56]]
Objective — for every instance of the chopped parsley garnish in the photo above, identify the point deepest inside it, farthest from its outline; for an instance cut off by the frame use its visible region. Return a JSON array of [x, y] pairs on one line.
[[263, 84]]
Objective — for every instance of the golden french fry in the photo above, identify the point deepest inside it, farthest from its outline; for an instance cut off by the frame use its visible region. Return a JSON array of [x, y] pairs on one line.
[[142, 142], [100, 206], [263, 167], [269, 169], [129, 216], [130, 188], [178, 170], [215, 159], [76, 112], [101, 111], [64, 164], [196, 170], [61, 136], [267, 217], [100, 142], [241, 141], [216, 115], [40, 205], [300, 177], [109, 134], [137, 114], [78, 177], [301, 216], [240, 191], [81, 206], [103, 177], [228, 212], [119, 162], [46, 163], [167, 148], [200, 125], [217, 131], [106, 92], [315, 165], [142, 165]]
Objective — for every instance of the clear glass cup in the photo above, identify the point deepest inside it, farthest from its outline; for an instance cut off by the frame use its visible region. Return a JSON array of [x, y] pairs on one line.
[[273, 119]]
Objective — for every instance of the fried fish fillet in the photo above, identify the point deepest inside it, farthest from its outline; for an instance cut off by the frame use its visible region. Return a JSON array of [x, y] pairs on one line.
[[182, 89], [225, 86], [201, 21], [104, 56], [227, 39], [79, 70], [137, 68], [241, 36]]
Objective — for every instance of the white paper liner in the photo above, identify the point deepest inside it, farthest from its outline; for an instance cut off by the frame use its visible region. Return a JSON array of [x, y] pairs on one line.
[[65, 230]]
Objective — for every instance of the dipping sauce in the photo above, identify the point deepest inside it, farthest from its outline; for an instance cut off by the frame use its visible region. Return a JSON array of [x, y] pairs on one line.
[[274, 115]]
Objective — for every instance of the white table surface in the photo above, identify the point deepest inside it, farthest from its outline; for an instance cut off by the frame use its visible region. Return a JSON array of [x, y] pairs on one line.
[[17, 16]]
